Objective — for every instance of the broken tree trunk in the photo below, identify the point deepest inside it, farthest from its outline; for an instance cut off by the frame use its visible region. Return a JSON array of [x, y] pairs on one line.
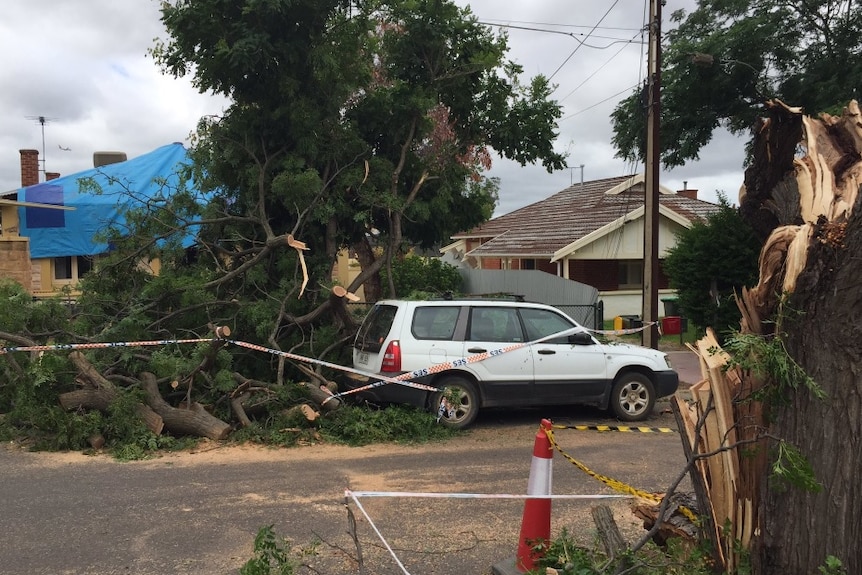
[[610, 536], [193, 420], [806, 208], [100, 392]]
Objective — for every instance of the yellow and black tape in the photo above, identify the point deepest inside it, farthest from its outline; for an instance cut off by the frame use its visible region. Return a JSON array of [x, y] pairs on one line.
[[614, 484], [623, 428]]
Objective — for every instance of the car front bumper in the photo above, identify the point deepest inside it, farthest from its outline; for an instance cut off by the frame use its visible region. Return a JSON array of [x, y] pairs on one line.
[[666, 382]]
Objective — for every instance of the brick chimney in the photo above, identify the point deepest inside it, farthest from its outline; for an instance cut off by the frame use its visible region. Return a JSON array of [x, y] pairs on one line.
[[51, 176], [29, 167], [691, 194]]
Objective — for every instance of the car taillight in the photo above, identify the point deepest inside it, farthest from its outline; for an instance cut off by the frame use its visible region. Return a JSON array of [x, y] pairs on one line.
[[392, 357]]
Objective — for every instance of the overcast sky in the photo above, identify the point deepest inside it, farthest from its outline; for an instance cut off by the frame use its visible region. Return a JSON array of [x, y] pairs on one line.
[[83, 66]]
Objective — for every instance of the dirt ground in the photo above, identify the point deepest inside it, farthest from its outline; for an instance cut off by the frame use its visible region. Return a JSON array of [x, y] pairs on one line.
[[197, 512]]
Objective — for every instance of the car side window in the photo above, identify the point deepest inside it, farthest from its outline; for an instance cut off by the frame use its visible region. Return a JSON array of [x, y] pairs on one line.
[[434, 322], [542, 323], [495, 324]]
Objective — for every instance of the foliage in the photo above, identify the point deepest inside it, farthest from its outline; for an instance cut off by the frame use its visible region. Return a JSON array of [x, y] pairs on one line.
[[271, 555], [359, 425], [413, 273], [566, 557], [791, 468], [355, 117], [710, 262], [833, 566], [347, 121], [767, 358], [724, 59]]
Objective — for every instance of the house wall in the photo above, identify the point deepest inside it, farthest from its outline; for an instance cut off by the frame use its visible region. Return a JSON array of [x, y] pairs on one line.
[[629, 302], [15, 260], [627, 242]]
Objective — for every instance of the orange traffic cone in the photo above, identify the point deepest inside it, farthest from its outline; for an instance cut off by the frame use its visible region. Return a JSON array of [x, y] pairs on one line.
[[536, 521]]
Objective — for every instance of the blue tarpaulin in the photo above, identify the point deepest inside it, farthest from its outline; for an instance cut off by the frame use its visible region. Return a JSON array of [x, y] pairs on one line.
[[60, 233]]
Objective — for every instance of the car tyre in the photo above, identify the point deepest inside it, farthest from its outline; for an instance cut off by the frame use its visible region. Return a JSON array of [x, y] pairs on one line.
[[633, 397], [466, 399]]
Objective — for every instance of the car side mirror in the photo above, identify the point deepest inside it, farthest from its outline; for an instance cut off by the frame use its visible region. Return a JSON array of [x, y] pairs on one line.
[[581, 338]]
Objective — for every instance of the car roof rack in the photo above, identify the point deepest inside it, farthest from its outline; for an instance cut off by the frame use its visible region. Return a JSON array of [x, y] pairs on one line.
[[487, 296]]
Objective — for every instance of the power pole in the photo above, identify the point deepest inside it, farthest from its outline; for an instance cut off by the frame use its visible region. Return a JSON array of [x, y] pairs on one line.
[[653, 165]]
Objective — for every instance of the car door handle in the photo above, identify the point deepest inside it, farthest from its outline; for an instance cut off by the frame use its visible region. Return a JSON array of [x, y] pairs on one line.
[[547, 352], [477, 350]]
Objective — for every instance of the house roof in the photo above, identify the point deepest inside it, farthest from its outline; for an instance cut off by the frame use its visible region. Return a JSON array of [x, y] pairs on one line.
[[545, 227]]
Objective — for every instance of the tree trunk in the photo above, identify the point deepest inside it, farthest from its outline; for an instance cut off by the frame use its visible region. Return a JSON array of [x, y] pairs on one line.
[[815, 259], [807, 527], [365, 254], [100, 393], [195, 420]]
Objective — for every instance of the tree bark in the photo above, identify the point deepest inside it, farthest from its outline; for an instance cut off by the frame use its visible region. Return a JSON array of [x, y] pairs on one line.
[[610, 536], [818, 269], [195, 420], [100, 393]]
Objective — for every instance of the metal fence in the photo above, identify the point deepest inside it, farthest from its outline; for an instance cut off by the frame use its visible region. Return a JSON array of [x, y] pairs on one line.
[[578, 301]]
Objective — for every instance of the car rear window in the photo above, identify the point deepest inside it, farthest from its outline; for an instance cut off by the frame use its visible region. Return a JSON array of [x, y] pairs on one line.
[[434, 322], [374, 329]]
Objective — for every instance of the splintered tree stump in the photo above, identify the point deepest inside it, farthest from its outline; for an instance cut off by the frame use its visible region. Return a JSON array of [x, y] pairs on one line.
[[195, 420]]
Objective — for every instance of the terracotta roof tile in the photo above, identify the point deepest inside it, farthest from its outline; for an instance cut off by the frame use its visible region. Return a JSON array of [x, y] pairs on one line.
[[542, 228]]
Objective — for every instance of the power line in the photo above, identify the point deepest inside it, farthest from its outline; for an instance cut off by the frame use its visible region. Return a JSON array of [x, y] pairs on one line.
[[582, 43], [614, 39], [600, 103], [523, 22], [599, 69]]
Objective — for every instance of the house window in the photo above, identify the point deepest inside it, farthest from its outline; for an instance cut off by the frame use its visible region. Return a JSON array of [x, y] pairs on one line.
[[631, 274], [63, 268], [71, 268], [528, 264]]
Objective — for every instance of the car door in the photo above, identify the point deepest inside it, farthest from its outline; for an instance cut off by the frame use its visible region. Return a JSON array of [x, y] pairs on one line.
[[505, 377], [563, 372]]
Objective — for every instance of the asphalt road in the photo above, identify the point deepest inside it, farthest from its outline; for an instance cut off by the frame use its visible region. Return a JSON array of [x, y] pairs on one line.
[[198, 513]]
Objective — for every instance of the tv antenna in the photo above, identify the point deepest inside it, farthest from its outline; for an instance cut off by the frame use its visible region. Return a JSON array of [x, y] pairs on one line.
[[42, 120]]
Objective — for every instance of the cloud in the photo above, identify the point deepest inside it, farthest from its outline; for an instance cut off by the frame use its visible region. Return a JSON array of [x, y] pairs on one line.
[[85, 66]]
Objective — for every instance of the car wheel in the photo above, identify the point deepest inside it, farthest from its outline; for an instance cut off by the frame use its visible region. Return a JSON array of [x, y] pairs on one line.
[[633, 397], [462, 402]]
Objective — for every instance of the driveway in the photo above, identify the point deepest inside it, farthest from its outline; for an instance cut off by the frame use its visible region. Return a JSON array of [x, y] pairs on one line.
[[198, 512]]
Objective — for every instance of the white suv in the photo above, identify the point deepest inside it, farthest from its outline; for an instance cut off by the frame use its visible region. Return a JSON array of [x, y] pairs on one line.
[[535, 355]]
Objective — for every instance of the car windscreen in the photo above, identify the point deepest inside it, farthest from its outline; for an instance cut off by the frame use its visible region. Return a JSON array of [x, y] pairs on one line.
[[374, 329]]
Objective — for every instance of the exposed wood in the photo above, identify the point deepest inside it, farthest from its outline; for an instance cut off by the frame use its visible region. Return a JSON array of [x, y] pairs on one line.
[[96, 441], [690, 439], [194, 420], [675, 525], [303, 410]]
